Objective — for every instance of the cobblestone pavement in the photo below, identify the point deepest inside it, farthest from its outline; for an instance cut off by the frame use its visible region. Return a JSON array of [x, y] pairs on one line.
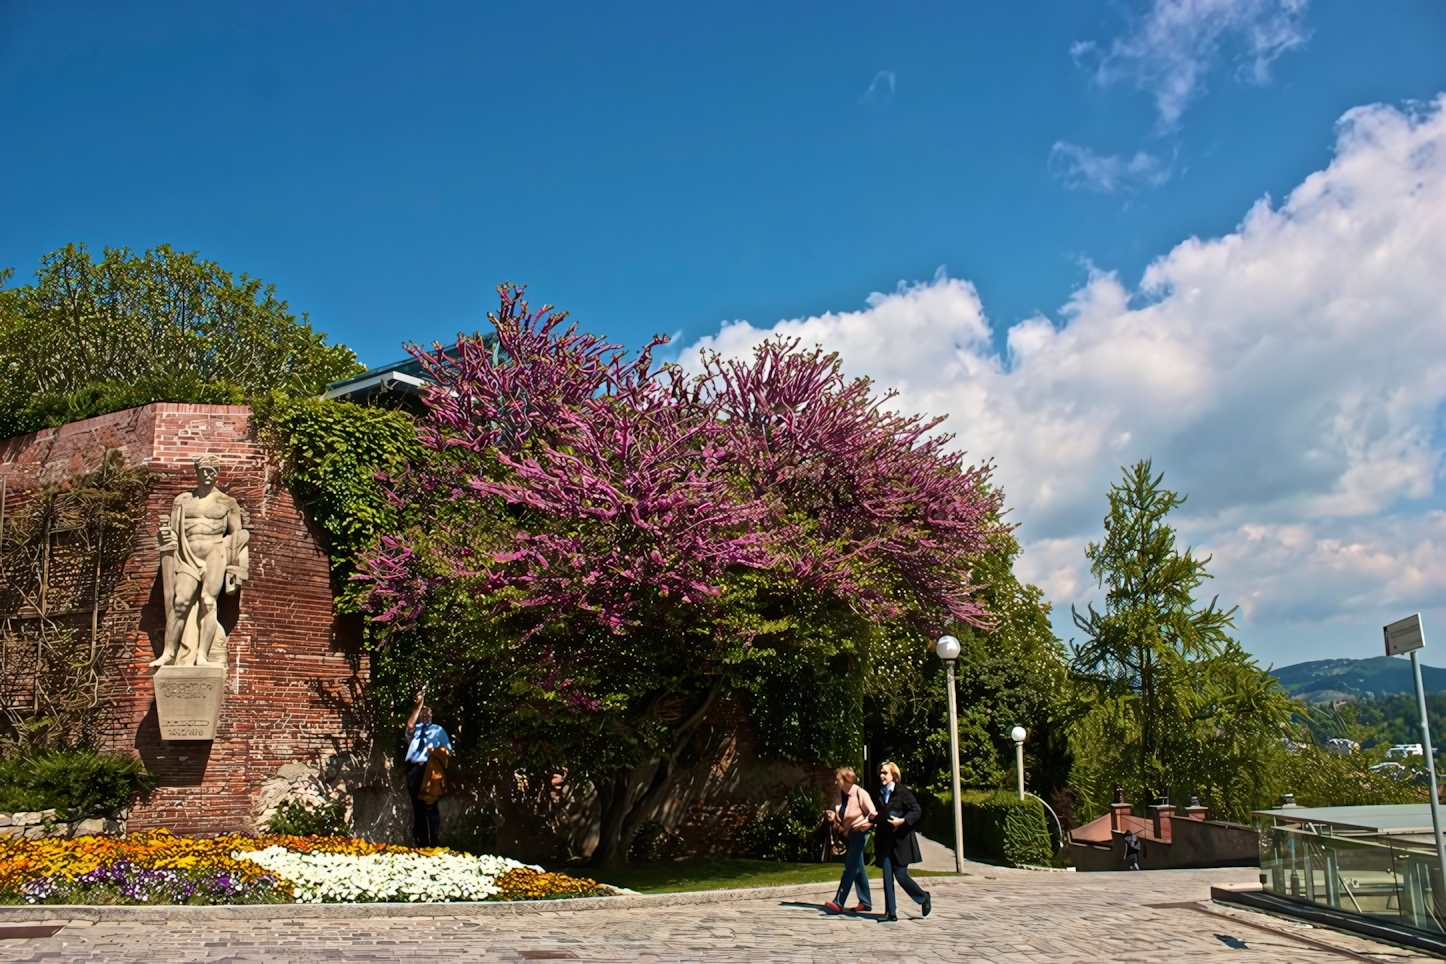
[[995, 916]]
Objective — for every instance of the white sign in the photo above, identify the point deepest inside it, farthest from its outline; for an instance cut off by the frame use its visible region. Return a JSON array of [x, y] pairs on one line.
[[1404, 636]]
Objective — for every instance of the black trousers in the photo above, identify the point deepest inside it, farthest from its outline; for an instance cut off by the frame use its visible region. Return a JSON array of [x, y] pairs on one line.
[[899, 872], [426, 819]]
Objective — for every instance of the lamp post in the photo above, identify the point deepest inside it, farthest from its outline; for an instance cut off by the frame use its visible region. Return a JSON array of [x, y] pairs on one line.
[[1017, 735], [1408, 636], [948, 650]]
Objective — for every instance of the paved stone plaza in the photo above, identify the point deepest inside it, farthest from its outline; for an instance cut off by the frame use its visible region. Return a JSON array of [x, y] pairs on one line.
[[990, 915]]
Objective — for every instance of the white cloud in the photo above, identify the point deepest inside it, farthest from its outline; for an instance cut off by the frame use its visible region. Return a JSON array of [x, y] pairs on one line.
[[1290, 376], [1176, 43], [881, 90], [1081, 168]]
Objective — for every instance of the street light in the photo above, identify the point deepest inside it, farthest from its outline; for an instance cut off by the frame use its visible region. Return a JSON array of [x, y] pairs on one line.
[[1407, 636], [948, 650], [1017, 735]]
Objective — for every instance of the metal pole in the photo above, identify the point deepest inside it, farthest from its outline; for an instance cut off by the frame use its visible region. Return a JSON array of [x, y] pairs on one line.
[[954, 767], [1019, 764], [1430, 769]]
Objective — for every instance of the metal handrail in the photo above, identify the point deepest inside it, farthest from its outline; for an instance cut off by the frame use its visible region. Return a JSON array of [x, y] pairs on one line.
[[1058, 825]]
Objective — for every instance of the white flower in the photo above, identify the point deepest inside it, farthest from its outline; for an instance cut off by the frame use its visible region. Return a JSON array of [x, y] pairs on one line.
[[344, 878]]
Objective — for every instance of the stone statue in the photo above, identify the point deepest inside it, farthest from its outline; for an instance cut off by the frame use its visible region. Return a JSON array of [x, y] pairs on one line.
[[203, 554]]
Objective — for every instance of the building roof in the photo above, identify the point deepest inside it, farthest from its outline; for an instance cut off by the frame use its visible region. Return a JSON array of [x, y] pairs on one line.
[[399, 378], [1385, 818], [401, 381]]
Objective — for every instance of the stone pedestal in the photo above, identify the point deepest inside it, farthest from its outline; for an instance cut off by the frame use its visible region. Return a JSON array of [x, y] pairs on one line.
[[188, 701]]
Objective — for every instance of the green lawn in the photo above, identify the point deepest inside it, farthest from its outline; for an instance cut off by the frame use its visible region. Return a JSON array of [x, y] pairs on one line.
[[705, 873], [717, 874]]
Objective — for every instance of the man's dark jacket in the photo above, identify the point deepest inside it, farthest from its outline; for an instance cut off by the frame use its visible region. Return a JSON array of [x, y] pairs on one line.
[[898, 843]]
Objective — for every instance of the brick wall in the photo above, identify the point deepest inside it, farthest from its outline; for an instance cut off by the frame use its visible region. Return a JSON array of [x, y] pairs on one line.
[[293, 671]]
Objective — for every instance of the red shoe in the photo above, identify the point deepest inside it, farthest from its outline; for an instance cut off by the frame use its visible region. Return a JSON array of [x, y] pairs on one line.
[[832, 908], [862, 909]]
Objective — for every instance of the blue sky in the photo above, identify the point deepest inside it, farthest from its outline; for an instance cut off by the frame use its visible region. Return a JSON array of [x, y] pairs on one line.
[[651, 167], [669, 168]]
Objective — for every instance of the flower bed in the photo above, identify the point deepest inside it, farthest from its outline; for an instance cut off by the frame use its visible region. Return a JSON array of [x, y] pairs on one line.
[[157, 867]]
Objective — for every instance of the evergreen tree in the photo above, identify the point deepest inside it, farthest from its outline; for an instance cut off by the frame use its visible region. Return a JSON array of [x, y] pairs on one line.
[[1173, 703]]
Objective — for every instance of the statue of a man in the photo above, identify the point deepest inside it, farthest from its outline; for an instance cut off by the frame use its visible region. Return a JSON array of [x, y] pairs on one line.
[[203, 554]]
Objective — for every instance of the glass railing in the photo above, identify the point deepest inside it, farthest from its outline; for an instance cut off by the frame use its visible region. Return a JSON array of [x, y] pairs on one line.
[[1393, 877]]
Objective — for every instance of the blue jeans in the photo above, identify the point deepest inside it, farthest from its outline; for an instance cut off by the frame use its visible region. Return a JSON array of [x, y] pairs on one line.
[[901, 872], [854, 871]]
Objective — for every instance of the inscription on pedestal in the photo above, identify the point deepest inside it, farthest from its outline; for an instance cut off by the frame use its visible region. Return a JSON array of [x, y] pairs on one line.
[[188, 701]]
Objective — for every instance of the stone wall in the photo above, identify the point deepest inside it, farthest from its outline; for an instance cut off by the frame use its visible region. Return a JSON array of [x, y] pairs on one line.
[[45, 823], [295, 672]]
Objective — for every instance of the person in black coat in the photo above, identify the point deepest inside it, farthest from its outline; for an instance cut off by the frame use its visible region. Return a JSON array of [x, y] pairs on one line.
[[895, 846]]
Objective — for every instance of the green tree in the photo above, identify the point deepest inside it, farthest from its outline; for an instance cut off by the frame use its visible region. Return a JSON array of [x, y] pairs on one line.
[[332, 456], [1170, 701], [90, 337], [1013, 673]]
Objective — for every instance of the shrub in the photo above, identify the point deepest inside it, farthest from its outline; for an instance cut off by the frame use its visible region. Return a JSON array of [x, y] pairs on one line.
[[75, 783], [654, 843], [998, 826], [791, 832], [296, 818]]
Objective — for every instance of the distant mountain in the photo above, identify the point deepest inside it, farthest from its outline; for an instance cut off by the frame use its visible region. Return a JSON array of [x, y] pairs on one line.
[[1322, 680]]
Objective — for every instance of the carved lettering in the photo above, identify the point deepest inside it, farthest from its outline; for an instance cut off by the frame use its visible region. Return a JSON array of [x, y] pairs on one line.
[[186, 689]]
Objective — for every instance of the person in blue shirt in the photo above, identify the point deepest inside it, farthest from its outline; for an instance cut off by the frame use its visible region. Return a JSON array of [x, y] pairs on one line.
[[423, 736]]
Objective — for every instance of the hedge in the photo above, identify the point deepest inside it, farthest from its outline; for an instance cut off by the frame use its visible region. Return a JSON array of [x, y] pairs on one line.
[[998, 826]]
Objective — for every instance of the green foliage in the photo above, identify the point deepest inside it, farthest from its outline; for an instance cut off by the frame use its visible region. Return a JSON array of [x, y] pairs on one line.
[[331, 453], [1015, 673], [1169, 701], [298, 819], [1320, 778], [804, 671], [100, 398], [793, 832], [998, 826], [1026, 831], [90, 337], [654, 843], [1347, 721], [77, 783], [1394, 719]]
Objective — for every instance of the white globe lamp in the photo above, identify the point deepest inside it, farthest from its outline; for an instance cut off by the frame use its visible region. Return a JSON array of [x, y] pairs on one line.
[[947, 648]]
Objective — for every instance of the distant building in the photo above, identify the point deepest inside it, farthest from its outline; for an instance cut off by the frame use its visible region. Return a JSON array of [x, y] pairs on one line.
[[398, 385], [1403, 750], [1342, 746]]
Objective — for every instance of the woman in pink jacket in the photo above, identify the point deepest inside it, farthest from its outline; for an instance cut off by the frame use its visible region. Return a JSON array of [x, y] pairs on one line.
[[854, 814]]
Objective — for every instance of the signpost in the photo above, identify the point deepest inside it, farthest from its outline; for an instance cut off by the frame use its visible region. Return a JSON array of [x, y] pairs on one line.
[[1405, 636]]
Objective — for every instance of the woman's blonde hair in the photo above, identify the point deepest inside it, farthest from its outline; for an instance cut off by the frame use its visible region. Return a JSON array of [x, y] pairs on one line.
[[893, 769], [848, 774]]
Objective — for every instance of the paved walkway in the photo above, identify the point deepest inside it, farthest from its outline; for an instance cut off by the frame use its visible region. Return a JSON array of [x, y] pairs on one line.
[[1019, 917]]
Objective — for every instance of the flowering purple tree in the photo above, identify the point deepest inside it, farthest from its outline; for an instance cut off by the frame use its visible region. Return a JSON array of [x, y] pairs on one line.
[[864, 504], [601, 546], [621, 487]]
